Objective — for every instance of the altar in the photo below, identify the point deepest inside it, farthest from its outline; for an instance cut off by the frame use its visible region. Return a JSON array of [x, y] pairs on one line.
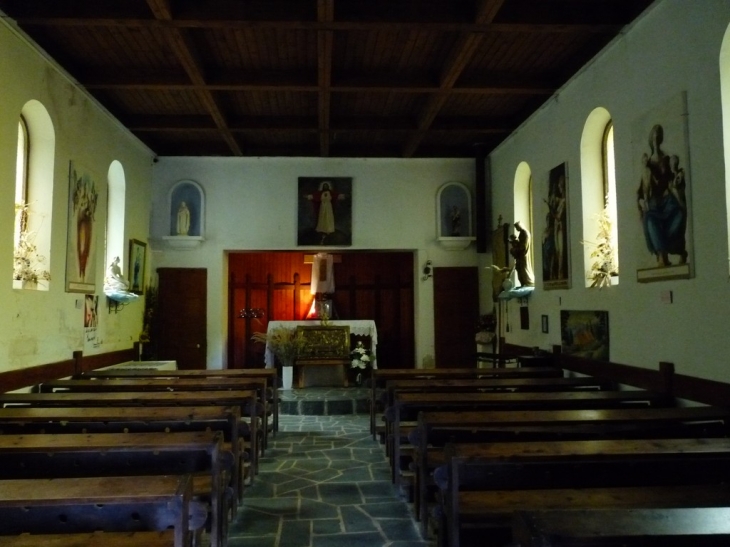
[[358, 327]]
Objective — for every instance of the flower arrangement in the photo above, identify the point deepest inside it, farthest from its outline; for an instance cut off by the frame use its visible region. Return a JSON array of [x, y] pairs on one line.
[[361, 357], [605, 264], [485, 327], [284, 342], [27, 263]]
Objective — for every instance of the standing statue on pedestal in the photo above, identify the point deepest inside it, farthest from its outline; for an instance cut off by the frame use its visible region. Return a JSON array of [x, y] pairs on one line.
[[520, 251]]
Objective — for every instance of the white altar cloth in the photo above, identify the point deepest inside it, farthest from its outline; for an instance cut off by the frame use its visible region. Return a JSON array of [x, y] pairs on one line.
[[358, 327]]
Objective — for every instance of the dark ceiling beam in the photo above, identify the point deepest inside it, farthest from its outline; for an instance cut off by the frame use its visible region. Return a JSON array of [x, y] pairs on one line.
[[325, 38], [303, 123], [529, 28], [458, 58], [121, 81], [185, 51]]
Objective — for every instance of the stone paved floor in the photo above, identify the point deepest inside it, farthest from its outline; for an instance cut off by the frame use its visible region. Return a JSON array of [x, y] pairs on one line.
[[324, 482]]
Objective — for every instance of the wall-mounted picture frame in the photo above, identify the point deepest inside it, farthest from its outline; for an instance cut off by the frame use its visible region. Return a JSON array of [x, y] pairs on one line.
[[324, 211], [82, 230], [556, 241], [137, 263], [545, 324], [585, 334], [663, 197]]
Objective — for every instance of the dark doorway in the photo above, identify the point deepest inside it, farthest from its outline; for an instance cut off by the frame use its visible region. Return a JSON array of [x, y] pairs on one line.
[[456, 310], [181, 316]]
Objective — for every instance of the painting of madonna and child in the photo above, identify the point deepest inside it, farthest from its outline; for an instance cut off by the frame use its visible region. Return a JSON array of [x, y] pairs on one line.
[[324, 211], [663, 193]]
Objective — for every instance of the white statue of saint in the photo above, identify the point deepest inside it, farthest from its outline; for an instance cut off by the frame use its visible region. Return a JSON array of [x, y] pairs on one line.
[[183, 219], [116, 286]]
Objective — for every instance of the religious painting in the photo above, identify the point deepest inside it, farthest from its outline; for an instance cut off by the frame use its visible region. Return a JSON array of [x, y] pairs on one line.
[[663, 207], [91, 315], [137, 258], [82, 230], [324, 215], [585, 334], [187, 209], [555, 240]]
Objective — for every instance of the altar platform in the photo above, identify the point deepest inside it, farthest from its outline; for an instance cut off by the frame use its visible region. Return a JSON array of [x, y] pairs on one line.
[[324, 401]]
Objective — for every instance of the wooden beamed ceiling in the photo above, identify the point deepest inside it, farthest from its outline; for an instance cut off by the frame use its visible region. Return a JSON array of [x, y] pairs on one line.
[[326, 78]]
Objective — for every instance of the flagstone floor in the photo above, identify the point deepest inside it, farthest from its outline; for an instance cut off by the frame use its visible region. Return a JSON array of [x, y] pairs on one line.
[[324, 482]]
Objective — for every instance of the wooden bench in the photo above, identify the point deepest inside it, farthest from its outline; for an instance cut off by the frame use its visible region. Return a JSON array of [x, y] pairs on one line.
[[381, 376], [87, 504], [486, 482], [679, 527], [115, 385], [268, 374], [245, 399], [32, 420], [407, 405], [436, 429], [93, 539], [199, 454], [483, 385]]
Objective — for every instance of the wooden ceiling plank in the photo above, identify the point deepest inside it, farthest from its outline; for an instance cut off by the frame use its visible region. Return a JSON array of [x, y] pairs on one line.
[[460, 55], [325, 38]]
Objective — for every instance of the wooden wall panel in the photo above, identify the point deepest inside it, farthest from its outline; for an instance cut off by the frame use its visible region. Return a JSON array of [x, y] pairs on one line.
[[368, 285]]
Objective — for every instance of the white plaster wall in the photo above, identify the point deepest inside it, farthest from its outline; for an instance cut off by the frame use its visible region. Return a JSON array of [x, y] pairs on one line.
[[45, 326], [251, 204], [673, 48]]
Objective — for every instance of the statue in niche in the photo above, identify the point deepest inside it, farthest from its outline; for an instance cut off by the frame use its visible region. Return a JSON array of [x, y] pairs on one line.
[[183, 219], [520, 251]]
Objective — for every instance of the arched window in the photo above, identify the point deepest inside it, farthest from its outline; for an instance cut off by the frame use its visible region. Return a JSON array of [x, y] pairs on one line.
[[523, 208], [33, 198], [115, 213], [725, 94], [600, 217]]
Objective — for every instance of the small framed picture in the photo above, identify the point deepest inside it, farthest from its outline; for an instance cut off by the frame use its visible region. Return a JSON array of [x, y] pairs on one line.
[[137, 259], [545, 327]]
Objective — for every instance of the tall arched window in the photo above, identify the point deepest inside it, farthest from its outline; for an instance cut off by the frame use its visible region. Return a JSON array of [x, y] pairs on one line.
[[115, 213], [523, 207], [600, 217], [725, 94], [33, 198]]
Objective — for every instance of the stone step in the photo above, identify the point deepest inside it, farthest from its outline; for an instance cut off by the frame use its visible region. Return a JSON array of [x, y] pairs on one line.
[[324, 401]]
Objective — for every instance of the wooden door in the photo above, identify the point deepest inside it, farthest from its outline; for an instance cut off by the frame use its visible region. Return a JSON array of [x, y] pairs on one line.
[[456, 310], [182, 316]]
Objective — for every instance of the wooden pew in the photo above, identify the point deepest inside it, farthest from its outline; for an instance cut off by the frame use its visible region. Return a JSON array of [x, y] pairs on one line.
[[33, 420], [486, 482], [436, 429], [114, 454], [116, 504], [679, 527], [245, 399], [407, 405], [380, 376], [269, 374], [93, 539], [482, 385], [165, 384]]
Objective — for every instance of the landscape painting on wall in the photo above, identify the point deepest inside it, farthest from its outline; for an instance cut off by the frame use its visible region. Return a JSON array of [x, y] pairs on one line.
[[555, 240], [324, 216], [663, 212], [585, 334], [82, 228]]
